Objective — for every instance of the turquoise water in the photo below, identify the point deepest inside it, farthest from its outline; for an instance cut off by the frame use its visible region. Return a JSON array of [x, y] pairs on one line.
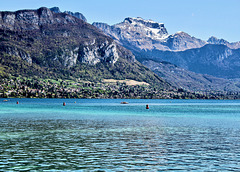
[[92, 134]]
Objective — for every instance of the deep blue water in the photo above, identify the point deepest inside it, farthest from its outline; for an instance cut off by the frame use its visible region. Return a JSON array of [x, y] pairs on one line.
[[93, 134]]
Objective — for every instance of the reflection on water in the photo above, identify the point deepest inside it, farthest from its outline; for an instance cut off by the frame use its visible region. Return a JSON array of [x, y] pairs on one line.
[[126, 143]]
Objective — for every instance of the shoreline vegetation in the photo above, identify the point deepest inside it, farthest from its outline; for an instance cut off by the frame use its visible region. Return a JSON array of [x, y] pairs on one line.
[[22, 87]]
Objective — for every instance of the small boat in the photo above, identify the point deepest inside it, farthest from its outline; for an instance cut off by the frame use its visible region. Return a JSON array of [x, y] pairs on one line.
[[5, 100], [124, 102]]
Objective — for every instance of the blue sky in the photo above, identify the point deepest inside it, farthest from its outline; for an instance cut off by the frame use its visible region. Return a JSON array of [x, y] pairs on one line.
[[199, 18]]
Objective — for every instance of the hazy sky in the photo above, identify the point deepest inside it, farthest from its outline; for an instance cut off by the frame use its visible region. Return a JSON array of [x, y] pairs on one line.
[[199, 18]]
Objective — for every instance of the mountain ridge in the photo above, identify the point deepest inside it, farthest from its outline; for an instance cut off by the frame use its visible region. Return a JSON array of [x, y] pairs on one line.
[[179, 41], [232, 45]]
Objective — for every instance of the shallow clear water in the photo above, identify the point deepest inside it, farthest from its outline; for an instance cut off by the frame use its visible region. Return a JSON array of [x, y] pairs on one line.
[[42, 134]]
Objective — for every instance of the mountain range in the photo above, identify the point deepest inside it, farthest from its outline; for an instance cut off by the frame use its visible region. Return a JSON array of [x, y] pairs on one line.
[[50, 44], [149, 35], [46, 44], [153, 46]]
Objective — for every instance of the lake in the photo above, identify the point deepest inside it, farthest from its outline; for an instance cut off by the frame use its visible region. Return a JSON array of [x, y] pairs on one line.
[[104, 135]]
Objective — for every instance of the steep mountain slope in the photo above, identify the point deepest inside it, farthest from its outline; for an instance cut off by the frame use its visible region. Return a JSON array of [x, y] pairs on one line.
[[182, 78], [46, 44], [216, 60]]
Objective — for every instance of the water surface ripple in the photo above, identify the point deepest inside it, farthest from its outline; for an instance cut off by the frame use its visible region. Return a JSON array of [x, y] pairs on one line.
[[104, 135]]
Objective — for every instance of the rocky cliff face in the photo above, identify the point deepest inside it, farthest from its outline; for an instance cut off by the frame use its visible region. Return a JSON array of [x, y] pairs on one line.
[[92, 54], [76, 14], [90, 46], [142, 28], [137, 32], [24, 20]]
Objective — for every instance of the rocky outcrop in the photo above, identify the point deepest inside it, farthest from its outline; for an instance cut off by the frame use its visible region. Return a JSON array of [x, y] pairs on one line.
[[67, 57], [55, 10], [76, 14], [93, 53]]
